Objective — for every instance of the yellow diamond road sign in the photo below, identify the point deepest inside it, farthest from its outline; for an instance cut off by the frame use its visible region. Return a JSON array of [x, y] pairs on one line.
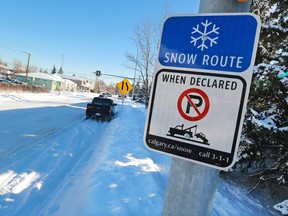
[[124, 86]]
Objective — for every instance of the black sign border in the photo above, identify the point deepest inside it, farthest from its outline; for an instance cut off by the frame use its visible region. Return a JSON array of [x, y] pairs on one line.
[[220, 159]]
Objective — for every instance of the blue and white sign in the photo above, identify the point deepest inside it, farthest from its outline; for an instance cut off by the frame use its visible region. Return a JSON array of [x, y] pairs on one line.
[[218, 42], [201, 85]]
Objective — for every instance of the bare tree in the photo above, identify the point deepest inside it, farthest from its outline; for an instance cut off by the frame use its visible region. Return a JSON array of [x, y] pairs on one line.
[[146, 39], [143, 61], [32, 69], [111, 88], [17, 66], [3, 65]]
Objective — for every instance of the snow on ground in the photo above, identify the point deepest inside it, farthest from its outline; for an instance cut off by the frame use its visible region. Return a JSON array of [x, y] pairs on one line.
[[54, 162]]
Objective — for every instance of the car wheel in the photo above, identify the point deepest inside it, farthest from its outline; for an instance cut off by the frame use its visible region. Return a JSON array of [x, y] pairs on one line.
[[187, 136]]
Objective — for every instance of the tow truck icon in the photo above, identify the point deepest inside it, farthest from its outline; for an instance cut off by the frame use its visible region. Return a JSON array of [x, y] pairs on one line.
[[187, 134]]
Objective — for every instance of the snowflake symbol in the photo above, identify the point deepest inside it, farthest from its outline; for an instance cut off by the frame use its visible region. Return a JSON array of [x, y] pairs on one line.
[[206, 34]]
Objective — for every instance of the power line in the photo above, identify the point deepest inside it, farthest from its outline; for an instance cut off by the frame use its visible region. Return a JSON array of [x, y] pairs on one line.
[[30, 47], [13, 49]]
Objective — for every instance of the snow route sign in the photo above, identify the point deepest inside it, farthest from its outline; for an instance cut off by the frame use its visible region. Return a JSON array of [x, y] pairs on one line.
[[214, 42], [200, 87]]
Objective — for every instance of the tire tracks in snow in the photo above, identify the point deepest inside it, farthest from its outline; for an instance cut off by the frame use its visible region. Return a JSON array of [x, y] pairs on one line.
[[53, 157], [79, 159]]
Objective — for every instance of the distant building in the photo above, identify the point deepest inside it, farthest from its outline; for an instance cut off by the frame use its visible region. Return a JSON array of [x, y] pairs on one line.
[[51, 82], [82, 82], [69, 85], [47, 81], [55, 82]]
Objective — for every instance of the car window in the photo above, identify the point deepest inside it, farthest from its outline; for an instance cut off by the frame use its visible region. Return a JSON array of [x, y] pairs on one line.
[[102, 101]]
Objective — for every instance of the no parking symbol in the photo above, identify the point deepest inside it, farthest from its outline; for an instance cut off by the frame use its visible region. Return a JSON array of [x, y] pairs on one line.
[[193, 104], [190, 127]]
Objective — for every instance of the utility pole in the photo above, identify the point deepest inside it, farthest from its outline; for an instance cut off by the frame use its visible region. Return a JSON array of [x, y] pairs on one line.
[[62, 62], [60, 75], [191, 187], [27, 69]]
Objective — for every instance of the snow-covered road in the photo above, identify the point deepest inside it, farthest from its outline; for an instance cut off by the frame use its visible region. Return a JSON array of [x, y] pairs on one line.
[[54, 162]]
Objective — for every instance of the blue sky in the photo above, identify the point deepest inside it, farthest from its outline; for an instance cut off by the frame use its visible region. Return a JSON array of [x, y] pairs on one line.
[[90, 34]]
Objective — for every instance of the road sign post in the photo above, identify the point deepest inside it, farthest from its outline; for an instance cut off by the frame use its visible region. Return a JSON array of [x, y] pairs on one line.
[[198, 100], [124, 88], [205, 67]]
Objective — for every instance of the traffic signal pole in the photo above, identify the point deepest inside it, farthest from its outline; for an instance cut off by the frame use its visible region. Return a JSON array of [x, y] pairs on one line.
[[191, 187]]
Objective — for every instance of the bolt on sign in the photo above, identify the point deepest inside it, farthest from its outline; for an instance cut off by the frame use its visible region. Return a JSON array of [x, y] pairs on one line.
[[200, 87], [124, 86]]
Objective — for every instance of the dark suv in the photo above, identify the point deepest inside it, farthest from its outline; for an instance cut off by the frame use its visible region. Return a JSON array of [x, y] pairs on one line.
[[101, 107]]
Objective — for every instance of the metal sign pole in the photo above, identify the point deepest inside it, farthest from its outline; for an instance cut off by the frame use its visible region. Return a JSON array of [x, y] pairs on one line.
[[122, 107], [124, 87], [191, 187]]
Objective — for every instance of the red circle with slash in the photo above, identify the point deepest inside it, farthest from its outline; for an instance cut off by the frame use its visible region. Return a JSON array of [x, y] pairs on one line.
[[192, 95]]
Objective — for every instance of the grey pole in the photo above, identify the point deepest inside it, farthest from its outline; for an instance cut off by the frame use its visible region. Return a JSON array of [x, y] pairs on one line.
[[27, 69], [223, 6], [191, 187]]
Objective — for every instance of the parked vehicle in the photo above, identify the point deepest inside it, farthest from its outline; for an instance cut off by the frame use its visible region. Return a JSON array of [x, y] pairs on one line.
[[105, 94], [101, 108], [134, 97], [120, 96]]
